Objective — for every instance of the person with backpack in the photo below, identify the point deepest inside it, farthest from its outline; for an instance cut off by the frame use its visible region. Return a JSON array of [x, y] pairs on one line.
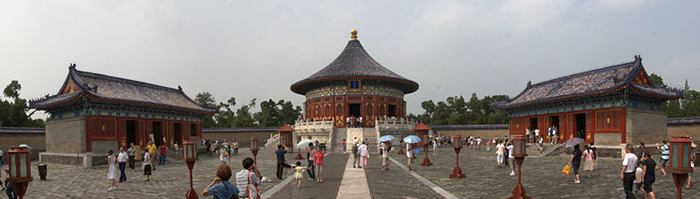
[[247, 180], [355, 156], [221, 188]]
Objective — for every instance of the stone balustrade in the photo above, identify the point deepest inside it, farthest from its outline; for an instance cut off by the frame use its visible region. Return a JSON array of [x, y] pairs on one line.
[[313, 126], [395, 124]]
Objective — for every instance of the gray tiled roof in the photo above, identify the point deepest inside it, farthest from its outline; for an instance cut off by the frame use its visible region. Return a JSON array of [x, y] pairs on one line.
[[590, 83], [683, 121], [470, 127], [122, 91], [239, 129], [21, 130], [355, 63]]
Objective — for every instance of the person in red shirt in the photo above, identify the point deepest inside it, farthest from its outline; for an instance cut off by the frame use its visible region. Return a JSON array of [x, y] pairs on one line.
[[318, 162], [162, 152]]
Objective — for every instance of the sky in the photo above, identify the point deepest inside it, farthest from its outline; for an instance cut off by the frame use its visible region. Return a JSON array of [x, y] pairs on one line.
[[257, 49]]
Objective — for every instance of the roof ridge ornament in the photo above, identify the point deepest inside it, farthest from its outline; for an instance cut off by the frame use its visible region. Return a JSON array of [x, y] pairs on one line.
[[637, 58], [71, 66], [353, 34]]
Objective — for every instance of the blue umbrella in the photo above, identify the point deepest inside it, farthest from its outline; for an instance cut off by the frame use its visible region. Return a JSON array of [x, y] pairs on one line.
[[572, 142], [386, 138], [411, 139]]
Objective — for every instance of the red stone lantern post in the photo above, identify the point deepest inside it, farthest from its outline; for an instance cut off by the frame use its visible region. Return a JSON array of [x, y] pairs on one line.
[[457, 145], [190, 156], [20, 169], [254, 149], [421, 130], [519, 152], [680, 162]]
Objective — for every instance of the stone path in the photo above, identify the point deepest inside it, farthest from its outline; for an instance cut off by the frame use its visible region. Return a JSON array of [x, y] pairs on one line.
[[333, 174], [541, 177], [168, 181], [394, 183], [354, 184]]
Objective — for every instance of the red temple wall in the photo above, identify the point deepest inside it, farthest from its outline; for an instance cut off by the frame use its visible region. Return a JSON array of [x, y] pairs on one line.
[[105, 128], [598, 121], [336, 108]]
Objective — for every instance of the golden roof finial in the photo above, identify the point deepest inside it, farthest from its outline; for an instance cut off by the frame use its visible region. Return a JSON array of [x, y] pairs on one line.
[[353, 34]]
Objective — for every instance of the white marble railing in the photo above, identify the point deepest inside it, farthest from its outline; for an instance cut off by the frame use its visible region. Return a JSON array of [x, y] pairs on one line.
[[313, 126], [395, 124]]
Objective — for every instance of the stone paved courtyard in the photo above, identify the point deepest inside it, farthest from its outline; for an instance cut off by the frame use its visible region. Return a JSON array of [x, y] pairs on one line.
[[542, 177], [168, 181]]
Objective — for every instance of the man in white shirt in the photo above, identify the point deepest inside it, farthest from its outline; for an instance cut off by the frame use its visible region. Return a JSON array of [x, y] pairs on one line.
[[122, 159], [511, 158], [629, 164]]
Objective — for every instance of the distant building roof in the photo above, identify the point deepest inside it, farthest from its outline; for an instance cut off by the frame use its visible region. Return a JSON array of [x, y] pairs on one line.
[[239, 130], [21, 130], [596, 82], [110, 89], [683, 121], [470, 127], [354, 63]]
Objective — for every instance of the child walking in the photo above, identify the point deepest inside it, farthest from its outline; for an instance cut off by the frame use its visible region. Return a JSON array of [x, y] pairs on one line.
[[299, 173]]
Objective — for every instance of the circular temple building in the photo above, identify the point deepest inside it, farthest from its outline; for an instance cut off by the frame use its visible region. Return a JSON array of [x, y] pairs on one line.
[[354, 89]]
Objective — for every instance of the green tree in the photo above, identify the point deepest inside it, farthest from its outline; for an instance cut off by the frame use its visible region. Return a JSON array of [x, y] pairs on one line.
[[243, 116], [14, 111], [206, 100]]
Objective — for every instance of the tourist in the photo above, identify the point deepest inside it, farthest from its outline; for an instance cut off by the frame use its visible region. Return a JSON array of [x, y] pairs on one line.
[[478, 143], [347, 121], [1, 159], [162, 153], [9, 188], [310, 162], [555, 135], [535, 135], [281, 162], [386, 148], [595, 154], [299, 173], [152, 152], [236, 145], [364, 154], [641, 150], [629, 164], [665, 152], [550, 134], [122, 158], [410, 156], [511, 158], [576, 163], [112, 171], [345, 147], [132, 156], [221, 188], [355, 154], [527, 135], [247, 180], [212, 148], [318, 162], [434, 143], [506, 143], [360, 121], [648, 175], [540, 144], [500, 149], [147, 164], [692, 164], [638, 172], [588, 161], [223, 156]]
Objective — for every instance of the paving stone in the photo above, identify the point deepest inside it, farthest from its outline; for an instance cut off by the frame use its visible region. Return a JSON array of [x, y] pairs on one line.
[[541, 178]]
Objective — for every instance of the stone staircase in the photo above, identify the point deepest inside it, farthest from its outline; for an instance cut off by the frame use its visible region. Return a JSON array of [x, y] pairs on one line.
[[547, 149], [349, 133]]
